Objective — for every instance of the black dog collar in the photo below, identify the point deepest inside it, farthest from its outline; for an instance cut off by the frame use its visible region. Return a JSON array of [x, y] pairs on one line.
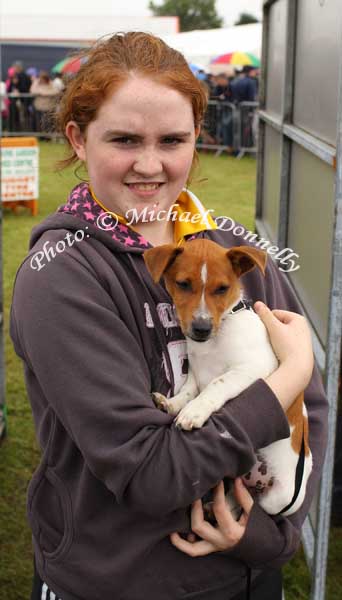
[[242, 305]]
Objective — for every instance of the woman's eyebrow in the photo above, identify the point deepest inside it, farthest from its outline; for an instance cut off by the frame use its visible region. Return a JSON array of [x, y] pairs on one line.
[[122, 133]]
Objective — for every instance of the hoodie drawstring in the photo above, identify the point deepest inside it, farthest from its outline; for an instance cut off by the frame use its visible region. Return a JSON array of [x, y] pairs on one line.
[[248, 586]]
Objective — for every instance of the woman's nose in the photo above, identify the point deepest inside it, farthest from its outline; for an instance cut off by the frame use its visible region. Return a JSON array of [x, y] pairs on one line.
[[148, 163]]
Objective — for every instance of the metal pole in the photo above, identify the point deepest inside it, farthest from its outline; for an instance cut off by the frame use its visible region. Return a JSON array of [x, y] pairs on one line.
[[332, 373], [2, 361], [287, 110]]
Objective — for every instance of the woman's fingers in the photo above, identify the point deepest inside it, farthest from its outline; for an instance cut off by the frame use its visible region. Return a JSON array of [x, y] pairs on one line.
[[291, 341], [200, 526], [285, 316], [270, 317], [265, 314], [243, 520], [228, 531], [221, 509], [201, 548], [243, 496]]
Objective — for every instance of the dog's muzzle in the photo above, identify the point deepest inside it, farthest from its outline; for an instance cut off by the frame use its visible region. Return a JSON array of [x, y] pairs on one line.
[[201, 329]]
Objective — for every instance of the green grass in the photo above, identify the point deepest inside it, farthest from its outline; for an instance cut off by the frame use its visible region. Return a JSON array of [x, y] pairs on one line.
[[230, 190]]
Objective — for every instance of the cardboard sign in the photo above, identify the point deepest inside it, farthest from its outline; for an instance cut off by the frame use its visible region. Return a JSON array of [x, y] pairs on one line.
[[19, 169]]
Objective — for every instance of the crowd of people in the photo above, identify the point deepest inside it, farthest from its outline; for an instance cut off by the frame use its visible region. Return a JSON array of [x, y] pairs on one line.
[[241, 87], [27, 96], [227, 123]]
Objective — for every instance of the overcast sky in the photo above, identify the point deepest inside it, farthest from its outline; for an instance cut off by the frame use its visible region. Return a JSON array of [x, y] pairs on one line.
[[228, 9]]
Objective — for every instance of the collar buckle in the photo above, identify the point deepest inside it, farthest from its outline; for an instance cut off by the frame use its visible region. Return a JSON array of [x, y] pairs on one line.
[[242, 305]]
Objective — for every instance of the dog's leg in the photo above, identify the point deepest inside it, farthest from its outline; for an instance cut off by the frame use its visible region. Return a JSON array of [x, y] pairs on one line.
[[282, 462], [214, 396], [176, 403]]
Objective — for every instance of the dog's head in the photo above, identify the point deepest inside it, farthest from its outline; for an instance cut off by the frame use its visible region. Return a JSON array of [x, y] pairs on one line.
[[202, 278]]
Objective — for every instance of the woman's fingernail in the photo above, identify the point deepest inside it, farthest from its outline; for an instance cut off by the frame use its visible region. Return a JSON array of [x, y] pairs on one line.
[[259, 307]]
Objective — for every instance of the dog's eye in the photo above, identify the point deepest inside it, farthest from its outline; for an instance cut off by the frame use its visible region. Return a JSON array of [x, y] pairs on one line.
[[184, 285], [222, 289]]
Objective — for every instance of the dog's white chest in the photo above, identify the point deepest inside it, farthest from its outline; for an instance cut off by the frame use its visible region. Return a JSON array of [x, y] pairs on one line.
[[241, 343]]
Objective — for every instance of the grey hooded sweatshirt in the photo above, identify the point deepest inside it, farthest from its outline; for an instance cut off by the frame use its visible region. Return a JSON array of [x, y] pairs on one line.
[[116, 477]]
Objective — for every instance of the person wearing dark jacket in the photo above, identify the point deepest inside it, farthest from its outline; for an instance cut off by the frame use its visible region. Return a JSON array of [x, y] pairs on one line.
[[244, 88], [19, 108], [118, 488]]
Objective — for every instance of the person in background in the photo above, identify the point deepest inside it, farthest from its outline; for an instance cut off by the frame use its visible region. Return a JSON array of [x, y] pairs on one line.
[[24, 80], [32, 72], [45, 94], [223, 112], [4, 105], [210, 83], [222, 88], [19, 83], [15, 108], [57, 83], [244, 87]]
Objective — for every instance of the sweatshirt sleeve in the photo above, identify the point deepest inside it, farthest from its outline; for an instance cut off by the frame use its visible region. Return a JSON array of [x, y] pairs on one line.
[[92, 371], [271, 541]]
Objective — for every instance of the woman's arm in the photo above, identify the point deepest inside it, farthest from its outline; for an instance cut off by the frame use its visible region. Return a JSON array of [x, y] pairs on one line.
[[290, 337], [91, 369]]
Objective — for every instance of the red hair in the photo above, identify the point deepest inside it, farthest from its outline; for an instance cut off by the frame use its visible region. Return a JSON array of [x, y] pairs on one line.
[[108, 64]]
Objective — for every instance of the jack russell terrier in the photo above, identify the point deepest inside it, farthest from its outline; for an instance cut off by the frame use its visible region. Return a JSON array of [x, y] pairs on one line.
[[228, 350]]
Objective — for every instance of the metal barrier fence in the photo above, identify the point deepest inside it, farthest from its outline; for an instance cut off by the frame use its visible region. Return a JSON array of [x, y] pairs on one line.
[[230, 127], [226, 126], [27, 114], [299, 199]]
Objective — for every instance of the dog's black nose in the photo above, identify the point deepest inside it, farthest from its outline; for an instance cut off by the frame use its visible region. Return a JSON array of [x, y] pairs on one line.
[[201, 330]]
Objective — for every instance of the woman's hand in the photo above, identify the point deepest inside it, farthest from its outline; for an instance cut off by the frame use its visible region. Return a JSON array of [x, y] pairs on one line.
[[289, 334], [226, 534], [290, 337]]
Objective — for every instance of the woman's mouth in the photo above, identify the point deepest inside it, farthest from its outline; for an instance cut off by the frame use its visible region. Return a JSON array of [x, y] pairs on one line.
[[144, 189]]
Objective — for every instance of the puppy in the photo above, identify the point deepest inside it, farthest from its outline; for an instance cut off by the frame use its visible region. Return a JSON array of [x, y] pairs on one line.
[[228, 350]]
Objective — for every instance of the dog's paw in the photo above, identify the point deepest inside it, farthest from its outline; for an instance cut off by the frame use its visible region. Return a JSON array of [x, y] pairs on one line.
[[160, 401], [164, 404], [192, 416]]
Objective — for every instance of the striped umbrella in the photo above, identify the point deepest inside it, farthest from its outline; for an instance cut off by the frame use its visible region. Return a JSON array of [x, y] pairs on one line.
[[196, 67], [71, 64], [237, 59]]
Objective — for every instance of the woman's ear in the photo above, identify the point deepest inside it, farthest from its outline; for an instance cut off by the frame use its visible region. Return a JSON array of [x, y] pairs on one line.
[[76, 139]]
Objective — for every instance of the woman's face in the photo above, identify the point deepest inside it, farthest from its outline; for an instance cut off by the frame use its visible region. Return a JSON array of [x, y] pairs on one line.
[[140, 147]]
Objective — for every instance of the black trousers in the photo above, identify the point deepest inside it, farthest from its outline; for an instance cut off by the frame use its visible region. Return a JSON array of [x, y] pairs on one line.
[[267, 586]]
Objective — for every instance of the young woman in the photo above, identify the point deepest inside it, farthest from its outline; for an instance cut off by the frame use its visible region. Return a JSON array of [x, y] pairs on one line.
[[110, 504]]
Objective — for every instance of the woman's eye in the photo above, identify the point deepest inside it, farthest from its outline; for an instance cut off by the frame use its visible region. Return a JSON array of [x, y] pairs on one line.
[[172, 141], [123, 140], [222, 289], [184, 285]]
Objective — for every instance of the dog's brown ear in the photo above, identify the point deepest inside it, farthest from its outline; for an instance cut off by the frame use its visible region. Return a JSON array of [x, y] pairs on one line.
[[160, 258], [245, 258]]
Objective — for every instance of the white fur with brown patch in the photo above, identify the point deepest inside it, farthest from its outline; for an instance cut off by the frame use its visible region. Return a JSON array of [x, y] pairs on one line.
[[224, 364]]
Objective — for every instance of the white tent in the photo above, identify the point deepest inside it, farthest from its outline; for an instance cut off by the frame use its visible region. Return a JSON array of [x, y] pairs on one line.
[[201, 46], [82, 28]]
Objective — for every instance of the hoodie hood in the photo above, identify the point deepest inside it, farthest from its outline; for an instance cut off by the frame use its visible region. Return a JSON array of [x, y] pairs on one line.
[[83, 211]]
